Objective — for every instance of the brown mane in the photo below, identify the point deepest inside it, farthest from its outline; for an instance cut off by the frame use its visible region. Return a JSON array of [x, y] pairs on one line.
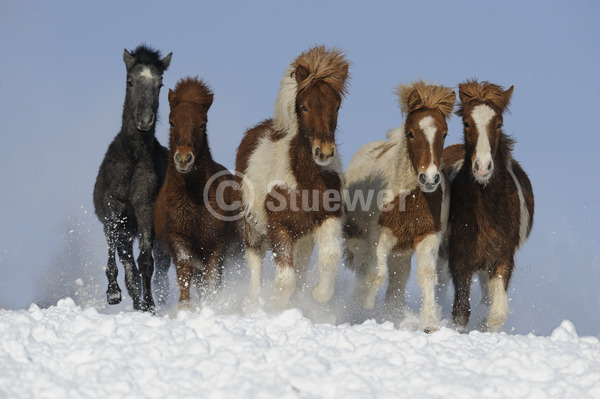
[[195, 90], [318, 63], [429, 96], [484, 92]]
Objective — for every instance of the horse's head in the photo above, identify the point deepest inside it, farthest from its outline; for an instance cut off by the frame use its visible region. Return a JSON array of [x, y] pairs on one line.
[[321, 77], [482, 107], [144, 80], [189, 113], [426, 107]]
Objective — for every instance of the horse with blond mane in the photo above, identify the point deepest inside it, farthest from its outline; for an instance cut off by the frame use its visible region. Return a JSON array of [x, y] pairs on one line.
[[411, 211], [291, 190], [491, 211]]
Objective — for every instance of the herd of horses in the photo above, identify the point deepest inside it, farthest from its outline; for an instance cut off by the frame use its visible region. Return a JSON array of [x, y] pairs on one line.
[[463, 210]]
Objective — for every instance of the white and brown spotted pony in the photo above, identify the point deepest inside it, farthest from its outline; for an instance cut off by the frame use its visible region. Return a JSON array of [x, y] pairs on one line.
[[291, 191], [491, 211], [397, 203]]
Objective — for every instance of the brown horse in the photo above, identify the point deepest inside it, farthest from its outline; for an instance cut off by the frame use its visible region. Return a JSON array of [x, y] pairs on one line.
[[291, 190], [190, 214], [491, 211], [411, 211]]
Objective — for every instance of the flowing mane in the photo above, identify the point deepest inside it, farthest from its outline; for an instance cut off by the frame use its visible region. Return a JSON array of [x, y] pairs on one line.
[[318, 63], [192, 89], [146, 55], [329, 66], [484, 92], [429, 96]]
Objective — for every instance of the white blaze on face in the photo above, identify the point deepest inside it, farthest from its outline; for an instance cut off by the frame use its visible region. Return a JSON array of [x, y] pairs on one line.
[[427, 124], [482, 114], [146, 73]]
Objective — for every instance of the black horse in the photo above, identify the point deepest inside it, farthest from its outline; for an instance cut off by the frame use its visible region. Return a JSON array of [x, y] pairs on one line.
[[128, 182]]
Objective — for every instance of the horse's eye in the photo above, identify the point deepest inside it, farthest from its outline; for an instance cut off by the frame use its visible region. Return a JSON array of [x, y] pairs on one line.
[[499, 126], [445, 135], [203, 126], [171, 124], [129, 83], [303, 108], [466, 124], [411, 135], [338, 108]]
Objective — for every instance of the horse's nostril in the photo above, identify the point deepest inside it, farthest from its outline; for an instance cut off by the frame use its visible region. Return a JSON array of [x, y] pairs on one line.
[[190, 158], [437, 178], [317, 151], [332, 152], [422, 178], [476, 166], [177, 158]]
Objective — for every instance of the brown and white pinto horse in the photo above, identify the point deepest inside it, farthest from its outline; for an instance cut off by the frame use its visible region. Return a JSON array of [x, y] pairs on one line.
[[491, 211], [411, 210], [190, 216], [291, 192]]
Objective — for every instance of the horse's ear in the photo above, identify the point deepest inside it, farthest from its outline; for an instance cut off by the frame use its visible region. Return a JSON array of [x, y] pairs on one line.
[[413, 101], [301, 73], [173, 99], [209, 100], [129, 59], [506, 96], [166, 61]]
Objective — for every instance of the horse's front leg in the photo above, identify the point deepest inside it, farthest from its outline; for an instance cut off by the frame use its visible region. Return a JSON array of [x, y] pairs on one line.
[[377, 273], [285, 275], [498, 292], [427, 252], [145, 260], [113, 292], [330, 251], [161, 284]]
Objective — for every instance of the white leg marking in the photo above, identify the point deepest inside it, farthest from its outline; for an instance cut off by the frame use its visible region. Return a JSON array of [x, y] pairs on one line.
[[328, 237], [285, 284], [524, 224], [499, 308], [427, 255], [254, 260]]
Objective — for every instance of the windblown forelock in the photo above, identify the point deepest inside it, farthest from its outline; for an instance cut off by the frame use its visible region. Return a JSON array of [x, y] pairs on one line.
[[432, 97], [473, 91], [328, 66], [194, 90]]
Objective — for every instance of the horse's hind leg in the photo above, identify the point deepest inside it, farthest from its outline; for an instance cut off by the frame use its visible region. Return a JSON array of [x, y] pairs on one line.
[[162, 288], [303, 249], [399, 271], [132, 275], [461, 279], [113, 292]]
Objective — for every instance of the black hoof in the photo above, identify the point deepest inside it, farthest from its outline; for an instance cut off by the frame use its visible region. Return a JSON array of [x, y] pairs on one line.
[[148, 306], [113, 298]]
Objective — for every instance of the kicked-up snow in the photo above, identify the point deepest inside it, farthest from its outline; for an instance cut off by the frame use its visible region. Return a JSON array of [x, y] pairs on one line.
[[66, 352]]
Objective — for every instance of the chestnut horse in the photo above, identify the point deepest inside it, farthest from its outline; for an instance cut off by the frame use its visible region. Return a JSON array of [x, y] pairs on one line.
[[128, 181], [411, 210], [491, 211], [190, 213], [291, 190]]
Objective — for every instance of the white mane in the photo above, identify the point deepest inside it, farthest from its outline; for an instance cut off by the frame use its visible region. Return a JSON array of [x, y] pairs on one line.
[[284, 114]]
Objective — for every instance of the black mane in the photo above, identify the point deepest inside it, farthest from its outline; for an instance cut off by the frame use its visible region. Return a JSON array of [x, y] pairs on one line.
[[146, 55]]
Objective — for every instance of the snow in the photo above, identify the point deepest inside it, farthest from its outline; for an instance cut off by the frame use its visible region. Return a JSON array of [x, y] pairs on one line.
[[64, 351]]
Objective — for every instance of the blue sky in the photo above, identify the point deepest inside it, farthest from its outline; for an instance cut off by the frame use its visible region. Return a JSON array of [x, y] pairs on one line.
[[62, 88]]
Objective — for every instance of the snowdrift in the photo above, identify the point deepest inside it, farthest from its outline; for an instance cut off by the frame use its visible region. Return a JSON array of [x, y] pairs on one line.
[[64, 351]]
